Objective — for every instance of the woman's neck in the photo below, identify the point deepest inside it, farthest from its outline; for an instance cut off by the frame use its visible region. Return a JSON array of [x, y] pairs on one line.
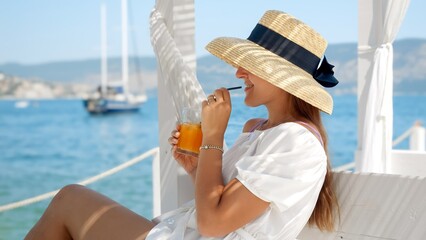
[[277, 116]]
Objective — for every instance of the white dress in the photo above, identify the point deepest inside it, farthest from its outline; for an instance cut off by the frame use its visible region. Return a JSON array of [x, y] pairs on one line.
[[284, 165]]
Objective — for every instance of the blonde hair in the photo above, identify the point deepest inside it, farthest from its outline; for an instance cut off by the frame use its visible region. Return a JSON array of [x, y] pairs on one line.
[[327, 208]]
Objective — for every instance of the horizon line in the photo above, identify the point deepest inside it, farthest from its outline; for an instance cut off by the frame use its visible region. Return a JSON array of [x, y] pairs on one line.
[[201, 55]]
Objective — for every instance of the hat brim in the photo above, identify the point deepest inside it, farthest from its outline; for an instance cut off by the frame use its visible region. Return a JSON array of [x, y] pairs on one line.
[[272, 68]]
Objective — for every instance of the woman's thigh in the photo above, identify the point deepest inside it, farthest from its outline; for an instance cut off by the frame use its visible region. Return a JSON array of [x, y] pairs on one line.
[[90, 215]]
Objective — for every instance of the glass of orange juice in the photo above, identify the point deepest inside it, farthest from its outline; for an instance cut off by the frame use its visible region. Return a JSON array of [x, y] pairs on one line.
[[190, 132]]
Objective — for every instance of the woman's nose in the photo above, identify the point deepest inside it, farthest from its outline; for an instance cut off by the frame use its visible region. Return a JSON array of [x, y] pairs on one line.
[[241, 72]]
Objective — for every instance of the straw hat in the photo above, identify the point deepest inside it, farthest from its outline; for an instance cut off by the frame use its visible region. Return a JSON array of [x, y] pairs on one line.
[[285, 52]]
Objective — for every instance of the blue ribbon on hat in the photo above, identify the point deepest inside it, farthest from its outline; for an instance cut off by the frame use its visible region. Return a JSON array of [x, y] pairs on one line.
[[294, 53], [325, 74]]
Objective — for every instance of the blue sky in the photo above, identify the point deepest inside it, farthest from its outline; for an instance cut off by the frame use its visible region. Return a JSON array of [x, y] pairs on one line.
[[52, 30]]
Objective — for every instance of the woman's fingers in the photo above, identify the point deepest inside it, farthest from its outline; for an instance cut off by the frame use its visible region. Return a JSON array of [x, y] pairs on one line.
[[173, 140], [218, 95], [221, 94], [226, 95], [175, 133], [204, 103], [211, 98]]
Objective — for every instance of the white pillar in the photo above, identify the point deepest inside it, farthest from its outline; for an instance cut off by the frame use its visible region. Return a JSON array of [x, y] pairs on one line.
[[175, 186], [417, 137]]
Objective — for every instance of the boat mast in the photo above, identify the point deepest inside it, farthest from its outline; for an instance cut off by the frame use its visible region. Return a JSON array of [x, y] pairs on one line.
[[124, 48], [104, 63]]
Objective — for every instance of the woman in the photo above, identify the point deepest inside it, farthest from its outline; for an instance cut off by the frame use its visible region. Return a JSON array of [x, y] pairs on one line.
[[275, 178]]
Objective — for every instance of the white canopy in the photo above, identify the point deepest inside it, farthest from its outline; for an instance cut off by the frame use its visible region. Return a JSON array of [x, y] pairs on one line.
[[379, 22]]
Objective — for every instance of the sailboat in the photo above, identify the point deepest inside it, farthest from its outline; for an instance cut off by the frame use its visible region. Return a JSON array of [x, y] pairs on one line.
[[114, 97]]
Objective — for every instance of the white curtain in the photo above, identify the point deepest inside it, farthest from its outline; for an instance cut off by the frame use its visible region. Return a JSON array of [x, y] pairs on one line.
[[379, 23]]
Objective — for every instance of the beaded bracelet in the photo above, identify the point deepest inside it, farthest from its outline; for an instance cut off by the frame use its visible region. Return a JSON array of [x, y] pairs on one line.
[[207, 147]]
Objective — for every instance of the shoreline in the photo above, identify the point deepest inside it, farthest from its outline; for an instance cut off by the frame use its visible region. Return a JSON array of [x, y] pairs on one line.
[[154, 96]]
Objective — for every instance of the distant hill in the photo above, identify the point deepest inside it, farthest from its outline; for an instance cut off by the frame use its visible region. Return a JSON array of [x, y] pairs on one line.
[[72, 71], [409, 69]]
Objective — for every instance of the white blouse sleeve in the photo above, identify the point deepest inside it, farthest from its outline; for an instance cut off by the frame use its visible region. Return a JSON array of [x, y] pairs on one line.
[[288, 167]]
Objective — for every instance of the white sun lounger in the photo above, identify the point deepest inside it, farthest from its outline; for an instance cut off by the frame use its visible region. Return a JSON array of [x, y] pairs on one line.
[[377, 206]]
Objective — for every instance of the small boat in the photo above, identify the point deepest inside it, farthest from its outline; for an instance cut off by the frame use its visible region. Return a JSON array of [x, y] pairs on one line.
[[114, 97], [22, 104], [113, 101]]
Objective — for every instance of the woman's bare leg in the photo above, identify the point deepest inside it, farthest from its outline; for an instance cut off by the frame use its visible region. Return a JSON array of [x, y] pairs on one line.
[[77, 212]]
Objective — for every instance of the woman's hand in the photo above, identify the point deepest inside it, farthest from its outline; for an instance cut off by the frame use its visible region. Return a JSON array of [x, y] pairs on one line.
[[189, 163], [215, 114]]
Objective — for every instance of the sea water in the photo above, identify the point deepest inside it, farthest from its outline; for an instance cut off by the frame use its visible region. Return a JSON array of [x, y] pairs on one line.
[[49, 144]]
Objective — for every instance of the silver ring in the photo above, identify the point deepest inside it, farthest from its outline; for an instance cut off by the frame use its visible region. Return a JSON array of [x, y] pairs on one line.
[[211, 97]]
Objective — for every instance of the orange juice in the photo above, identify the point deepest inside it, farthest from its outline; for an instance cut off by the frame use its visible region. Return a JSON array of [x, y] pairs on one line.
[[190, 138]]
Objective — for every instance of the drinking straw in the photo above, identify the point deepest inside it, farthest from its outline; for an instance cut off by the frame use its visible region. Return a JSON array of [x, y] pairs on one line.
[[233, 88]]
